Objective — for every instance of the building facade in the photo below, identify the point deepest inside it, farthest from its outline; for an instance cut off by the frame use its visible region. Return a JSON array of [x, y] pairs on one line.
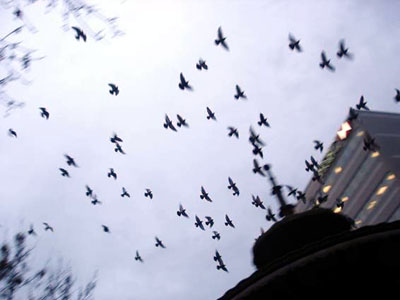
[[361, 170]]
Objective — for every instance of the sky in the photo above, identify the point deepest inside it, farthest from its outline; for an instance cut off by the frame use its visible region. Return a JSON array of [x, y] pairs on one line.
[[162, 39]]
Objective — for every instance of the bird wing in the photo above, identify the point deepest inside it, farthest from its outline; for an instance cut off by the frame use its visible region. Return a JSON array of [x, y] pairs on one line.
[[292, 39], [113, 86], [225, 45], [77, 29], [238, 90], [182, 78], [209, 111], [180, 119], [341, 46], [323, 56], [230, 181]]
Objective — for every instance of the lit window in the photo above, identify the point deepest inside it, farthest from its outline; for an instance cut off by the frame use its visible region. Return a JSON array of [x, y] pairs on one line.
[[337, 210], [381, 190], [326, 188], [391, 177], [361, 133], [338, 170], [344, 130], [344, 199], [358, 222], [375, 154], [371, 205]]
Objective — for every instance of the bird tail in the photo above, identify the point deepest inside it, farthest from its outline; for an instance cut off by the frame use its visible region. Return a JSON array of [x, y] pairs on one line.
[[178, 213], [291, 46], [181, 86], [179, 124], [237, 97], [217, 42], [201, 197]]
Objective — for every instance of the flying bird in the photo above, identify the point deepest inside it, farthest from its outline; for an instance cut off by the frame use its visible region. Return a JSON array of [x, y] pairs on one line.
[[255, 138], [64, 172], [216, 235], [210, 114], [118, 148], [257, 202], [210, 221], [116, 139], [184, 84], [70, 161], [318, 145], [11, 132], [369, 144], [105, 228], [168, 123], [181, 121], [148, 193], [221, 265], [204, 195], [362, 104], [397, 97], [309, 167], [314, 162], [182, 211], [31, 231], [326, 62], [233, 186], [233, 131], [339, 203], [301, 196], [79, 33], [228, 222], [199, 223], [44, 113], [257, 168], [114, 89], [221, 39], [48, 227], [112, 173], [263, 121], [258, 150], [322, 199], [89, 191], [159, 243], [270, 216], [125, 193], [343, 51], [294, 44], [138, 257], [292, 191], [95, 201], [217, 256], [239, 93], [201, 65]]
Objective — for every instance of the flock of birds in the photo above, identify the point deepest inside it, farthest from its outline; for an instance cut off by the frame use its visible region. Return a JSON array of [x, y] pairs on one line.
[[254, 139]]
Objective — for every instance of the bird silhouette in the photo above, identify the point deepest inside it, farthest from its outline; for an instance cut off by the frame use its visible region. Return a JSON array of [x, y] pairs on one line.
[[232, 185], [31, 231], [125, 193], [148, 193], [270, 216], [292, 191], [294, 44], [339, 203], [114, 89], [318, 145], [233, 131], [95, 201], [106, 229], [89, 191], [183, 84], [362, 104], [44, 113], [168, 123], [326, 62], [199, 223], [314, 162], [239, 93], [138, 257], [257, 168], [263, 121], [181, 121], [201, 65], [216, 235], [301, 196], [116, 139], [79, 33], [256, 201], [343, 51], [210, 114], [159, 243], [112, 174], [118, 148], [258, 151], [221, 265], [47, 227], [221, 39], [397, 97], [70, 161], [11, 132], [210, 221], [254, 138], [64, 172], [182, 211], [204, 195], [228, 222], [369, 144], [309, 166]]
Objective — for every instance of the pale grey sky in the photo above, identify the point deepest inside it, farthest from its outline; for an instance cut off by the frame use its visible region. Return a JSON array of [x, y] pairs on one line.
[[163, 38]]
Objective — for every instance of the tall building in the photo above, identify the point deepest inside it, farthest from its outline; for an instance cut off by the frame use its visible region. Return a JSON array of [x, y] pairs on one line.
[[361, 170]]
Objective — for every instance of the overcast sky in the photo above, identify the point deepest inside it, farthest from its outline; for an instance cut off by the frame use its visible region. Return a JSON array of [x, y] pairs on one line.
[[163, 38]]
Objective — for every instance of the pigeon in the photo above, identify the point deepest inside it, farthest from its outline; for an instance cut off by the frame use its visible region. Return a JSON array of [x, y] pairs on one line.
[[184, 84], [294, 44], [168, 123], [137, 257], [309, 167], [233, 186], [116, 139], [199, 223], [362, 104], [95, 201], [322, 199], [70, 161], [229, 222], [64, 172], [343, 51], [105, 228], [89, 191], [210, 221], [369, 144], [239, 93], [318, 145], [118, 148], [221, 265], [263, 121], [216, 235], [182, 211], [292, 191], [233, 131], [270, 216], [159, 243], [148, 193], [301, 196], [112, 173], [210, 114], [221, 39], [326, 62], [314, 162], [114, 89], [48, 227], [397, 97], [181, 121], [44, 113], [255, 138], [79, 33], [257, 202], [201, 65], [11, 132], [18, 13], [125, 193], [31, 231], [258, 150], [204, 195], [339, 203], [257, 168]]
